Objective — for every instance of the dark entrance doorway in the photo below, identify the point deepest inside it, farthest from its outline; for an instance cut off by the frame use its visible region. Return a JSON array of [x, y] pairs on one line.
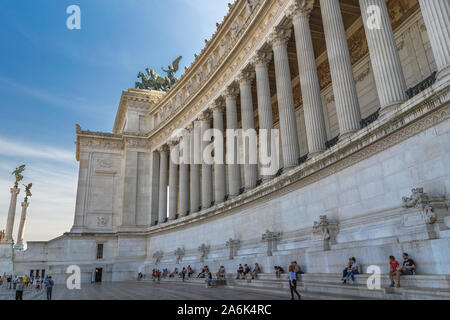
[[98, 274]]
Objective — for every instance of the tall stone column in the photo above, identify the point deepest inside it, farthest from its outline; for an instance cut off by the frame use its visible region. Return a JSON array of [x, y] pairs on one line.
[[387, 69], [309, 81], [265, 116], [234, 170], [163, 154], [195, 166], [436, 15], [11, 215], [220, 186], [248, 126], [207, 190], [344, 88], [288, 123], [184, 174], [173, 180], [23, 216]]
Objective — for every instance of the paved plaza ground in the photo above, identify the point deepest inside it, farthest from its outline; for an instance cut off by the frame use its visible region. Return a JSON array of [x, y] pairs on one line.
[[146, 290]]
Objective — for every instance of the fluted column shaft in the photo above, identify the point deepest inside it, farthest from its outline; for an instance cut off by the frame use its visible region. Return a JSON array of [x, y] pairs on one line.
[[11, 215], [173, 181], [219, 166], [207, 190], [387, 69], [184, 175], [344, 88], [234, 170], [265, 116], [163, 159], [195, 168], [436, 15], [248, 123], [288, 123], [23, 217], [309, 82]]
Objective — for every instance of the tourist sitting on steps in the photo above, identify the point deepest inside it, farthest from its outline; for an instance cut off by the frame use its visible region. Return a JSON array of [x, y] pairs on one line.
[[240, 272], [220, 275], [393, 268], [408, 269], [140, 276], [165, 273], [246, 271], [190, 271], [174, 273], [346, 270], [204, 272], [183, 273], [208, 280], [277, 272], [354, 269], [256, 271]]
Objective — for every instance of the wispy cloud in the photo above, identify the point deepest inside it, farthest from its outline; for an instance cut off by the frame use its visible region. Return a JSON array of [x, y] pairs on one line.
[[17, 149]]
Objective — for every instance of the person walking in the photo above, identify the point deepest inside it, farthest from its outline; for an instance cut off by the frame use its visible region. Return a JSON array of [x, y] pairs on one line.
[[183, 273], [49, 283], [19, 289], [293, 282]]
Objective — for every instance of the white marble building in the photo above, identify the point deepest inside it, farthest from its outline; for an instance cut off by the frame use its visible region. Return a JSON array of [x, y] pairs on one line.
[[366, 160]]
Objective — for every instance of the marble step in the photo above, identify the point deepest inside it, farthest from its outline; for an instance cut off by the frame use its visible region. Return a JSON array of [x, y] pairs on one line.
[[418, 281]]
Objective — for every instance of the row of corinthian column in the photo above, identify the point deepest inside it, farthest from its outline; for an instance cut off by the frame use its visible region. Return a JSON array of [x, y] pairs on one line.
[[199, 185]]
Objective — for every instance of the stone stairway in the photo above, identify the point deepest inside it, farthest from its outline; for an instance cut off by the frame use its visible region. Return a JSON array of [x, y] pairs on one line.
[[330, 287]]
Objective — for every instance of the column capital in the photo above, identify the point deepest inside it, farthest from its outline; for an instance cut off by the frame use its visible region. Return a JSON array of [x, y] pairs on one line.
[[246, 77], [25, 204], [262, 58], [280, 36], [301, 8], [163, 148], [231, 92], [218, 106], [172, 143], [190, 127], [205, 115], [15, 191]]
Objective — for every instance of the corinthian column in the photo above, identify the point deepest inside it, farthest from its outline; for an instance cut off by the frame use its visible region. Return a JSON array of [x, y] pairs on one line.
[[163, 158], [346, 98], [173, 180], [207, 190], [436, 15], [288, 123], [387, 69], [248, 126], [23, 216], [219, 166], [234, 170], [184, 174], [11, 215], [309, 81], [195, 166], [265, 116]]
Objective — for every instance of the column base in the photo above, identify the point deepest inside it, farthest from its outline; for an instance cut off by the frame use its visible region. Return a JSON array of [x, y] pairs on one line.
[[345, 135], [390, 108], [19, 246], [315, 153], [443, 73]]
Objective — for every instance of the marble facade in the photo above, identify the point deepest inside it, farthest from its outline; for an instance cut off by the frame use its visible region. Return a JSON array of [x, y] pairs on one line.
[[379, 189]]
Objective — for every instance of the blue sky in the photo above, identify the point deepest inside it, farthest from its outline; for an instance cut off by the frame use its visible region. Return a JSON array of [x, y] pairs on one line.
[[52, 77]]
